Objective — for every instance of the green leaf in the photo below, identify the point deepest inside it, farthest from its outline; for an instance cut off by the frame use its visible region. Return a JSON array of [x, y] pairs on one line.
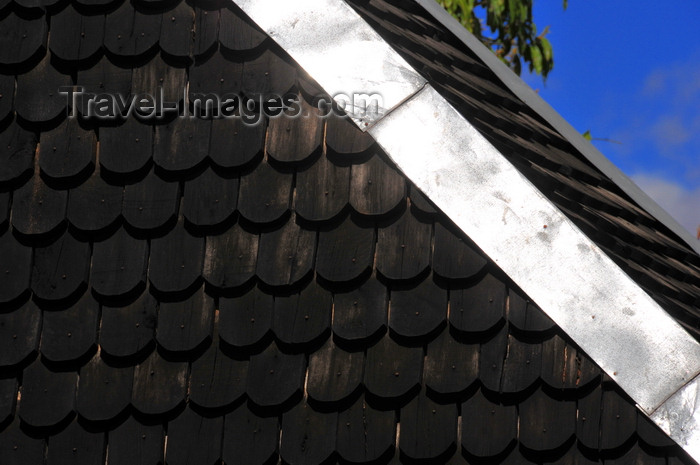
[[516, 65], [523, 12], [546, 48], [507, 28], [536, 57], [513, 11], [497, 7]]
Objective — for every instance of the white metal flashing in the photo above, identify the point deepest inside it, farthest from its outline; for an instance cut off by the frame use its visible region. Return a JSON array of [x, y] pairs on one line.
[[549, 114], [340, 51], [601, 308], [679, 417], [592, 299]]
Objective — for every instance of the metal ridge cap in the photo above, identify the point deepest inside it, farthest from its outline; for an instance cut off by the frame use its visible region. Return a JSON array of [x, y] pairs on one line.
[[648, 354], [593, 300], [323, 36], [551, 116]]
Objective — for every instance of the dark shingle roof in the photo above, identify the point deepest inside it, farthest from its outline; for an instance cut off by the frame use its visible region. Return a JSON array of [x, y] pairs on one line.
[[254, 292], [645, 247]]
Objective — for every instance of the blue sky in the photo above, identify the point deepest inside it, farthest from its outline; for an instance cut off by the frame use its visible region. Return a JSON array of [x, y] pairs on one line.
[[630, 72]]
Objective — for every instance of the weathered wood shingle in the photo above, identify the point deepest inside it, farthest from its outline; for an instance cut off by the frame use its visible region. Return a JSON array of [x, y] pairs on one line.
[[257, 288]]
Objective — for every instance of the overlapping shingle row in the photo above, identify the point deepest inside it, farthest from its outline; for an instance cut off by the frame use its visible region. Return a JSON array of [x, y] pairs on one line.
[[644, 247], [196, 291]]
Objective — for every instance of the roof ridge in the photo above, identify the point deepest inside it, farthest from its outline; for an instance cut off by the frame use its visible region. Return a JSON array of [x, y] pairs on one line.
[[551, 116], [592, 299]]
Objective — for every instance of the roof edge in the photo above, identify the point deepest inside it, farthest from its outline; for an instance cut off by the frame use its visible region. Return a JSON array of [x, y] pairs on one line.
[[551, 116], [630, 336], [648, 354]]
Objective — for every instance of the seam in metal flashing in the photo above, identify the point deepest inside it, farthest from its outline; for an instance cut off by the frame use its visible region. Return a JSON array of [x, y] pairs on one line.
[[596, 303], [339, 50], [679, 417], [367, 126], [550, 115]]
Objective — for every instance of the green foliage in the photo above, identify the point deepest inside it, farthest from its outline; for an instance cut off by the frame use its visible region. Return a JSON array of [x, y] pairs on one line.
[[507, 28]]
